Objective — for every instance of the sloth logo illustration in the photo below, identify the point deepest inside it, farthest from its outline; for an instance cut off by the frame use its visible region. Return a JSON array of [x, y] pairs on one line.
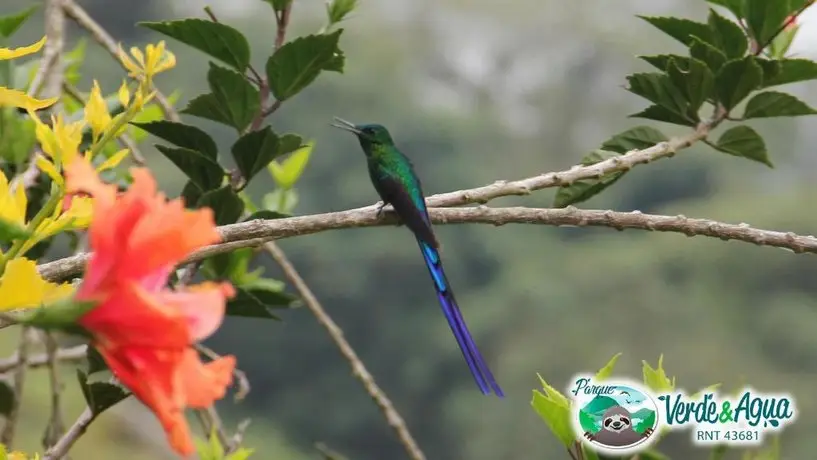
[[617, 430]]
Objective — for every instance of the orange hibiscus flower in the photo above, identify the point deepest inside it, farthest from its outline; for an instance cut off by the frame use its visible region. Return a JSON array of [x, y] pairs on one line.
[[142, 329]]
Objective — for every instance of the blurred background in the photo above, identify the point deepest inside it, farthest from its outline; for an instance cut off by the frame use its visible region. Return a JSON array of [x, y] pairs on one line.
[[476, 91]]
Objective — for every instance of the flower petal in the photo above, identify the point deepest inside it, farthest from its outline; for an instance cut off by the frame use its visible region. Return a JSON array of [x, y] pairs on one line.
[[202, 305], [202, 384], [12, 53], [14, 98], [21, 286]]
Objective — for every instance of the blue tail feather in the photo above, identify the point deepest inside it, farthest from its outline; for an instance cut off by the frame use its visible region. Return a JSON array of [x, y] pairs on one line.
[[476, 363]]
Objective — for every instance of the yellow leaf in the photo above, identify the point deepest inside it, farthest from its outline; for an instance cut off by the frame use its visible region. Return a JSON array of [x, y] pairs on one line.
[[96, 111], [12, 203], [14, 98], [607, 370], [124, 94], [12, 53], [113, 161], [287, 173], [61, 140], [22, 287], [50, 169], [656, 379]]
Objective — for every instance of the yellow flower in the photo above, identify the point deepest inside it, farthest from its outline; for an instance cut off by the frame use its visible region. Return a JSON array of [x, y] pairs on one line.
[[14, 98], [21, 286], [124, 94], [61, 140], [96, 112], [12, 203], [154, 60]]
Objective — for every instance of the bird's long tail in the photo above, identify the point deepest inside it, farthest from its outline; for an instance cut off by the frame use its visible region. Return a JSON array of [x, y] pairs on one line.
[[479, 368]]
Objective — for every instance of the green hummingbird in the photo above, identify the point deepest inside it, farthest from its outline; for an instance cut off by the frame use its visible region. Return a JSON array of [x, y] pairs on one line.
[[394, 179]]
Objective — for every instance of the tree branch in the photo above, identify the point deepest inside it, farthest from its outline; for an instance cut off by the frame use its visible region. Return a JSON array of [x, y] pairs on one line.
[[359, 370], [72, 354], [257, 232], [61, 448]]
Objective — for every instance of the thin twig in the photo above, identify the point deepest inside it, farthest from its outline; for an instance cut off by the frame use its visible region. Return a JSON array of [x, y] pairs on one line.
[[101, 36], [61, 448], [73, 354], [7, 435], [393, 417], [256, 232], [56, 425]]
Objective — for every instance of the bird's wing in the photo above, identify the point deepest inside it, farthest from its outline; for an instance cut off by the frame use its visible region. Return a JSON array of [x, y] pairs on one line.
[[412, 211]]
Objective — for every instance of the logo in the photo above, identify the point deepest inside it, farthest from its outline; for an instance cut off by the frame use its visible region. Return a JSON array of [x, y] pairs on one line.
[[620, 417], [616, 417]]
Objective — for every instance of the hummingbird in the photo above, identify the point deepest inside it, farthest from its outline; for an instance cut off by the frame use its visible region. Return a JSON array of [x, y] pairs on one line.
[[394, 179]]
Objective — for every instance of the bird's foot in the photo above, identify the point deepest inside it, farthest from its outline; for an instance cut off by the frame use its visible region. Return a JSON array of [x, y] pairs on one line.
[[380, 206]]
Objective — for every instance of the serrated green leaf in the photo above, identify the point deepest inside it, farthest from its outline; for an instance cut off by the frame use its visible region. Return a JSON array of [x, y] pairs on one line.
[[696, 83], [785, 71], [226, 205], [659, 89], [255, 150], [708, 54], [298, 63], [640, 137], [727, 36], [554, 409], [266, 214], [191, 194], [764, 18], [6, 398], [735, 6], [10, 231], [606, 371], [258, 303], [182, 135], [743, 141], [214, 38], [203, 171], [680, 29], [775, 104], [658, 113], [233, 101], [100, 396], [656, 379], [287, 172], [736, 80], [661, 61], [10, 23], [95, 361]]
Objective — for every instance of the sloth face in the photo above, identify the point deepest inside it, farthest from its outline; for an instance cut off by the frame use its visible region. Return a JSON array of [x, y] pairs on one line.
[[616, 423]]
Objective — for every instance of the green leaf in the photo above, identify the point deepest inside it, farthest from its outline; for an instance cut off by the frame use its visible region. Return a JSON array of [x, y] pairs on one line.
[[704, 52], [281, 200], [95, 361], [10, 231], [658, 113], [201, 169], [775, 104], [254, 151], [225, 203], [661, 61], [765, 18], [6, 398], [736, 80], [786, 71], [216, 39], [743, 141], [278, 5], [336, 10], [100, 395], [287, 172], [659, 89], [10, 23], [681, 29], [638, 138], [656, 379], [73, 62], [298, 63], [696, 83], [182, 135], [266, 214], [735, 6], [606, 371], [191, 194], [233, 101], [727, 35], [554, 409], [258, 302]]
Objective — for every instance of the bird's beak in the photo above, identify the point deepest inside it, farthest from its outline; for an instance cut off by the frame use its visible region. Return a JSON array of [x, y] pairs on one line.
[[346, 125]]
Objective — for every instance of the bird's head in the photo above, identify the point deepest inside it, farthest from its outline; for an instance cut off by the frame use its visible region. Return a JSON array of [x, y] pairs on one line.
[[370, 136]]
